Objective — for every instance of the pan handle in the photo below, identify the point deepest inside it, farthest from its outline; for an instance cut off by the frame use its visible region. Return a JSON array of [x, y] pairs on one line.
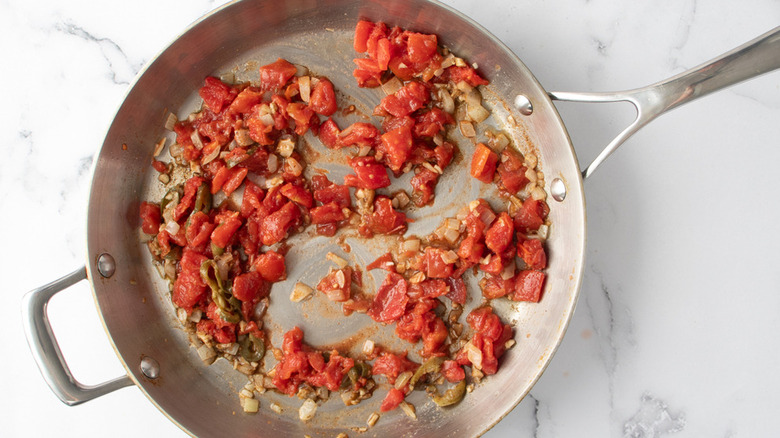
[[747, 61], [46, 351]]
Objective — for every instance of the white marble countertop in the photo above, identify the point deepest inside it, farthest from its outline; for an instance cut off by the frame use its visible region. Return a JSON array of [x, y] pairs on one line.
[[678, 315]]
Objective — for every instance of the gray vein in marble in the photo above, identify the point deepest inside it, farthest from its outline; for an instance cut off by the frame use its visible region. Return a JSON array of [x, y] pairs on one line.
[[112, 53], [535, 425], [653, 419], [682, 35]]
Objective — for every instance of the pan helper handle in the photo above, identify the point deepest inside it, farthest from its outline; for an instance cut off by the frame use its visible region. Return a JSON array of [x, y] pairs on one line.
[[752, 59], [47, 353]]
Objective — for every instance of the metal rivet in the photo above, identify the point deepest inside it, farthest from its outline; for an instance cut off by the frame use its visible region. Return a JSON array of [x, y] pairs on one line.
[[523, 105], [150, 367], [558, 189], [106, 265]]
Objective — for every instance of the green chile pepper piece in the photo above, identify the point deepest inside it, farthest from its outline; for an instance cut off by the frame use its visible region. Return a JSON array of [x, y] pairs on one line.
[[432, 365], [452, 395], [252, 348]]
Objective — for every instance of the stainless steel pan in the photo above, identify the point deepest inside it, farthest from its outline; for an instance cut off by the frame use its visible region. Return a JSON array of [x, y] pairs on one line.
[[133, 302]]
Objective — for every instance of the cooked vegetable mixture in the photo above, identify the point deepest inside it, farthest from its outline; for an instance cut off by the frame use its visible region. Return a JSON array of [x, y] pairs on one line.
[[222, 257]]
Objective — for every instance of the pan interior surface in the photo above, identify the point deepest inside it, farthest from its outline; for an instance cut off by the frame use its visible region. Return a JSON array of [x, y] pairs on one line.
[[237, 39]]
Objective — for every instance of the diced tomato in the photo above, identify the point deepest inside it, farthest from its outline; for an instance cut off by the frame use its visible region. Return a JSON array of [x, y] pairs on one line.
[[436, 267], [273, 76], [367, 79], [421, 47], [466, 74], [411, 324], [377, 33], [328, 230], [323, 98], [270, 265], [392, 365], [159, 166], [384, 261], [390, 300], [327, 214], [483, 163], [362, 31], [252, 200], [188, 200], [453, 372], [189, 288], [528, 286], [247, 287], [276, 224], [471, 250], [511, 171], [359, 134], [151, 217], [329, 134], [495, 265], [228, 179], [443, 154], [423, 185], [397, 146], [297, 194], [457, 292], [216, 94], [246, 99], [499, 236], [431, 122], [325, 191], [495, 287], [405, 101], [303, 116], [336, 285], [384, 219], [532, 253], [393, 398], [256, 161], [531, 216], [199, 229], [383, 53], [274, 200], [368, 174], [433, 288], [229, 223]]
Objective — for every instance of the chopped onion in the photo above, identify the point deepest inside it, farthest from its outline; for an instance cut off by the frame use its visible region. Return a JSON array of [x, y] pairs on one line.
[[273, 163], [509, 271], [172, 228], [467, 129], [448, 61], [530, 160], [294, 166], [368, 347], [171, 121], [260, 309], [451, 236], [211, 155], [372, 419], [538, 194], [487, 216], [250, 405], [275, 407], [391, 86], [197, 314], [447, 104], [304, 86], [477, 113], [206, 354], [411, 245], [158, 147], [474, 354], [300, 292], [195, 137], [337, 260], [307, 410], [531, 175], [242, 137], [408, 409], [449, 256]]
